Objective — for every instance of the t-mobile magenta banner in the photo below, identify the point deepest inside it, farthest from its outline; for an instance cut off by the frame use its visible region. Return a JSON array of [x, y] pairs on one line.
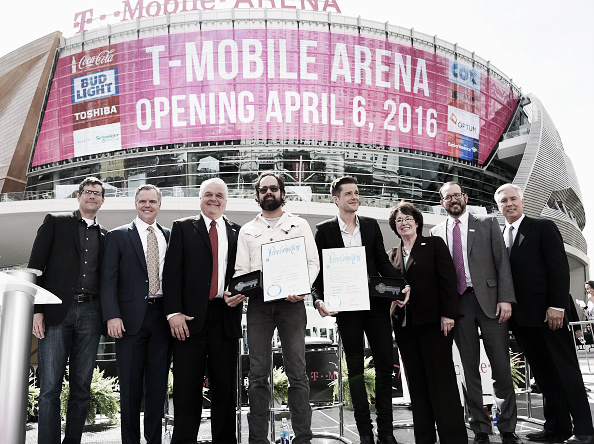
[[274, 84]]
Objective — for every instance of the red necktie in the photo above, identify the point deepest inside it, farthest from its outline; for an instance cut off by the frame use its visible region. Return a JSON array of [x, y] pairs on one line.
[[458, 257], [214, 244]]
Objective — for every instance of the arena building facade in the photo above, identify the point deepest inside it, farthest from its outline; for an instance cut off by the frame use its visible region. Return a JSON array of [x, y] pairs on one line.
[[178, 98]]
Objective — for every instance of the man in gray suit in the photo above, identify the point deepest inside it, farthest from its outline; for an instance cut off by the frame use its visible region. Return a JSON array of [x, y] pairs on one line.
[[486, 293]]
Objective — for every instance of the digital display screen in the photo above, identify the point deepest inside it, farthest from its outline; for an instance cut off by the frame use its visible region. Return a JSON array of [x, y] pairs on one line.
[[275, 84]]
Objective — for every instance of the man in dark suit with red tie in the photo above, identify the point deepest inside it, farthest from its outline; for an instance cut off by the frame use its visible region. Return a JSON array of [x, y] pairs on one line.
[[199, 264], [540, 273], [132, 304]]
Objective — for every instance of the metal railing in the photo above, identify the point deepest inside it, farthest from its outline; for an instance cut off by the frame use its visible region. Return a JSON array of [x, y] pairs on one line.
[[193, 191]]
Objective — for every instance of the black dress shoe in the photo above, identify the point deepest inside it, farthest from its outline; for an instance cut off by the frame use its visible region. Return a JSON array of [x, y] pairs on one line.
[[480, 438], [580, 439], [387, 440], [510, 438], [548, 436], [367, 439]]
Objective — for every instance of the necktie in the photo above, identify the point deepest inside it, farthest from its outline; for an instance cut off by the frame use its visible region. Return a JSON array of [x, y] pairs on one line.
[[152, 261], [214, 244], [458, 257], [510, 239]]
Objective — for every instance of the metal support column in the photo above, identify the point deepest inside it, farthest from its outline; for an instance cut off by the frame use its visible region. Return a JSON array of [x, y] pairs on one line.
[[16, 323]]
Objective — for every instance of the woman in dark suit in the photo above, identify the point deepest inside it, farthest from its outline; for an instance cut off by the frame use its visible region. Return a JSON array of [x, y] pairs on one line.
[[423, 328]]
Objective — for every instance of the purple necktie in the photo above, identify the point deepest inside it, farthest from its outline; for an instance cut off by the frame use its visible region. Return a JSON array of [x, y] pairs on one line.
[[458, 257]]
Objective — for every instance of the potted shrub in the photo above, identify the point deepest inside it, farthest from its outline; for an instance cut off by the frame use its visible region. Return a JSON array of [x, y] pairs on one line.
[[368, 376], [105, 400], [32, 398]]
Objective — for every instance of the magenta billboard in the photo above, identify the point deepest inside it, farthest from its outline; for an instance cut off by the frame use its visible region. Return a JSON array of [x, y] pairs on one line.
[[270, 84]]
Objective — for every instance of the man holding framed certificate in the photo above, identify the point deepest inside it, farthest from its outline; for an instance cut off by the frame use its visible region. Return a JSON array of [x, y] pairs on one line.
[[282, 246], [361, 243]]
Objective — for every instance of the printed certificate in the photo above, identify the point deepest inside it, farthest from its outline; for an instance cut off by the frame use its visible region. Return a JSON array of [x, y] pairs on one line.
[[284, 269], [345, 279]]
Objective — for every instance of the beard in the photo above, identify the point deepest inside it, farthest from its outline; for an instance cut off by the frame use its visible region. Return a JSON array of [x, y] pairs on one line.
[[458, 210], [270, 204]]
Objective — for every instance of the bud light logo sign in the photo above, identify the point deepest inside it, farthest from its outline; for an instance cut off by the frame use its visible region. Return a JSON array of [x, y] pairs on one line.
[[465, 76], [97, 85]]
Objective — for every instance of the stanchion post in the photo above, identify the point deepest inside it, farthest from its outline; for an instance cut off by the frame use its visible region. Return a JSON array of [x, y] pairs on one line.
[[340, 397], [15, 353], [239, 391]]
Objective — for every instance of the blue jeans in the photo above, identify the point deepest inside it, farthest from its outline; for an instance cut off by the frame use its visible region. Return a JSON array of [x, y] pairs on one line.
[[290, 320], [75, 339]]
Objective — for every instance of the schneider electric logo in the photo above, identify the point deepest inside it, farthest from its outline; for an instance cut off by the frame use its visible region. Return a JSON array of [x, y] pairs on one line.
[[97, 85]]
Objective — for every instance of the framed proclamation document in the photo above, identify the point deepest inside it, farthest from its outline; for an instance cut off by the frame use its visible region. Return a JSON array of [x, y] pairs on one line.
[[284, 269], [345, 279]]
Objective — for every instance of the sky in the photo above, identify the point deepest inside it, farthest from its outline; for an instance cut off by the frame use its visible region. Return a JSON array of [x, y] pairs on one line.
[[546, 47]]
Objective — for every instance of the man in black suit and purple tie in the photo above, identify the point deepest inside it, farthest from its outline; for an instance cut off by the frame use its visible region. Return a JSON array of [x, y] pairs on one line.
[[540, 273]]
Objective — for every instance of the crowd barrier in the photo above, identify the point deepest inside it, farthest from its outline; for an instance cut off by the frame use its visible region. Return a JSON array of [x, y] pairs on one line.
[[241, 399]]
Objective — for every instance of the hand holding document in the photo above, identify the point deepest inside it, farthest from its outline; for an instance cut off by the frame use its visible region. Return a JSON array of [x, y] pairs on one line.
[[284, 269], [345, 279]]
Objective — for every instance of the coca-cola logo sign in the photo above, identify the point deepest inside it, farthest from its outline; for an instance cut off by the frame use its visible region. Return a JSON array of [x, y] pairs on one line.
[[92, 61]]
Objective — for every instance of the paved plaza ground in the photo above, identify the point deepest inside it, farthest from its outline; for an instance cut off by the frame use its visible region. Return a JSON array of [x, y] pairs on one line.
[[327, 421]]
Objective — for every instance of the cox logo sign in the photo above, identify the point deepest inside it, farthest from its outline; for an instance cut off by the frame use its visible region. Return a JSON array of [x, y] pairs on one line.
[[465, 76]]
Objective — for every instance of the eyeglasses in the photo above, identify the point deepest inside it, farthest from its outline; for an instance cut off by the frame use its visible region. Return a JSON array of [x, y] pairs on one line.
[[264, 190], [452, 196], [94, 193], [408, 220]]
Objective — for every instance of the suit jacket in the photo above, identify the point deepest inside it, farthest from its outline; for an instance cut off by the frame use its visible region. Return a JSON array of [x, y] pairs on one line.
[[124, 277], [431, 274], [328, 236], [188, 271], [56, 252], [540, 271], [487, 260]]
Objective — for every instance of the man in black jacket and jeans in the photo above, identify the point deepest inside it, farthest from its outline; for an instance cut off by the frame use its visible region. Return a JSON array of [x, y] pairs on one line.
[[68, 249]]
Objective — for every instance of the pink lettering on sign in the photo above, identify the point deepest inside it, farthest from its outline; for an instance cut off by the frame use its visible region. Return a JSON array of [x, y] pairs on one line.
[[138, 9], [271, 84]]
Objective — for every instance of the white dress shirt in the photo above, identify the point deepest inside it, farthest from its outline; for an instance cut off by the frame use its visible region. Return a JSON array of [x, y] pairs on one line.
[[223, 250], [350, 240], [516, 226], [464, 235], [142, 226]]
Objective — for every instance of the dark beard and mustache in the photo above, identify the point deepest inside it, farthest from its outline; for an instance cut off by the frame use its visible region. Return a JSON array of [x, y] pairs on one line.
[[457, 211], [270, 204]]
